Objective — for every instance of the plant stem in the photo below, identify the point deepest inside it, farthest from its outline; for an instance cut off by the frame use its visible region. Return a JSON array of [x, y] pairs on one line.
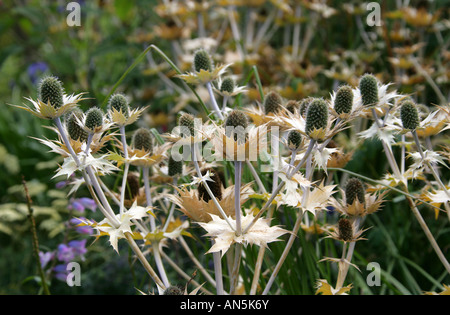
[[125, 172], [35, 238], [213, 100], [237, 195]]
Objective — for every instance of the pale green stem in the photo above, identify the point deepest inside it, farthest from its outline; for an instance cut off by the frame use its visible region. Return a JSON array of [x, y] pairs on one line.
[[213, 100], [127, 167]]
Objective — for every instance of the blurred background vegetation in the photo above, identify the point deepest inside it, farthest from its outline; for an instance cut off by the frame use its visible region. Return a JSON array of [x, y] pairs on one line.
[[35, 40]]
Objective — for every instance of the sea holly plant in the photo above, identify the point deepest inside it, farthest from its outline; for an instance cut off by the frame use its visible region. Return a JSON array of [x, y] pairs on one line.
[[205, 176]]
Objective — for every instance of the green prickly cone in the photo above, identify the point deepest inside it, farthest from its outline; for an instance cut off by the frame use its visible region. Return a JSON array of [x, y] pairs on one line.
[[294, 140], [175, 167], [316, 116], [343, 102], [354, 190], [202, 61], [409, 115], [235, 120], [142, 140], [94, 118], [215, 186], [292, 106], [173, 290], [51, 90], [345, 230], [304, 106], [119, 103], [272, 103], [73, 128], [187, 120], [368, 86], [227, 85]]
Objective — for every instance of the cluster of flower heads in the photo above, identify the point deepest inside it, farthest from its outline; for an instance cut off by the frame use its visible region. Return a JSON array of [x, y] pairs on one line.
[[306, 128]]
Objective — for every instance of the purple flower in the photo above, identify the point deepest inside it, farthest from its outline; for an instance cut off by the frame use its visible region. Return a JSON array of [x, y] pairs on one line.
[[61, 272], [76, 205], [45, 258], [65, 253], [78, 248], [35, 70], [83, 229], [88, 203]]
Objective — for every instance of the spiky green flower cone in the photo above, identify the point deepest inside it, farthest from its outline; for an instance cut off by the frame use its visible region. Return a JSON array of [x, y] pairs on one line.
[[292, 106], [175, 167], [132, 187], [345, 230], [354, 189], [187, 120], [142, 140], [73, 128], [294, 140], [316, 116], [409, 115], [304, 106], [51, 90], [119, 103], [94, 118], [235, 120], [343, 101], [173, 290], [202, 61], [368, 86], [215, 186], [272, 103], [227, 85]]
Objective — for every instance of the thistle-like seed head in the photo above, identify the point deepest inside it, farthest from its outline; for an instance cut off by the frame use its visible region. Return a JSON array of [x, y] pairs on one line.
[[175, 167], [368, 86], [227, 85], [142, 140], [94, 118], [345, 229], [187, 120], [343, 102], [272, 103], [316, 116], [294, 140], [202, 61], [235, 120], [173, 290], [292, 106], [304, 106], [409, 115], [73, 128], [132, 187], [215, 186], [51, 90], [120, 103], [354, 189]]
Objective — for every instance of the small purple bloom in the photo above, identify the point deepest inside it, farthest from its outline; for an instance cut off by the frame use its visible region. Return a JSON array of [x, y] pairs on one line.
[[45, 258], [76, 205], [61, 272], [61, 184], [88, 203], [65, 253], [36, 69], [78, 248]]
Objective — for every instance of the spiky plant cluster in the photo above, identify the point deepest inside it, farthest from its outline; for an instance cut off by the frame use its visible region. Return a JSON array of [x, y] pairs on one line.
[[409, 115], [316, 116], [272, 103], [343, 102], [368, 86], [143, 139], [75, 131], [354, 189], [132, 187], [187, 121], [227, 85], [51, 91], [174, 167], [294, 140], [215, 185], [345, 230], [304, 106], [202, 61], [236, 123], [94, 118], [292, 106], [120, 103]]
